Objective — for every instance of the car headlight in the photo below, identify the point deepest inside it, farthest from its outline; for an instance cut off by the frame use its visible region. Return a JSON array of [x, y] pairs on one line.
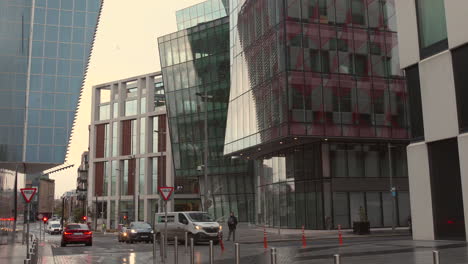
[[152, 232], [220, 228], [133, 231], [124, 234], [197, 227]]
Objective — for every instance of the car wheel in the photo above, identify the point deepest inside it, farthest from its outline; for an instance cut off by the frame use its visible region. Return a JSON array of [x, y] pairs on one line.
[[63, 244], [89, 244], [216, 242]]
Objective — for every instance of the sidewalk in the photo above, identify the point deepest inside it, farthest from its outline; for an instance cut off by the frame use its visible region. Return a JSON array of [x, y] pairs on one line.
[[249, 234], [13, 253]]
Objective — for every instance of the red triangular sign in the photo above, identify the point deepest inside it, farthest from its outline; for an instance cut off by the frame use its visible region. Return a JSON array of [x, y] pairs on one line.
[[28, 193], [166, 192]]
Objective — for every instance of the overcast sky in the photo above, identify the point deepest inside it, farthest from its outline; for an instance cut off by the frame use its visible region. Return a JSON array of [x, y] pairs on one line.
[[125, 46]]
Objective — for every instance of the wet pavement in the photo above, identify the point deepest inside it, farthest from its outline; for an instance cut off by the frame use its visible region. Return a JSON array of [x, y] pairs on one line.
[[384, 248]]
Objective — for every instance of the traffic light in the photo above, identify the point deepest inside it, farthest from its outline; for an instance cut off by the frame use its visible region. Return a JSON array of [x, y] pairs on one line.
[[44, 219], [84, 218]]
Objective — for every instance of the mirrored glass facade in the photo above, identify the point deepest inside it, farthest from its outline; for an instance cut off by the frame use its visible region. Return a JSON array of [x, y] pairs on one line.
[[316, 96], [314, 68], [196, 60], [201, 13], [44, 51]]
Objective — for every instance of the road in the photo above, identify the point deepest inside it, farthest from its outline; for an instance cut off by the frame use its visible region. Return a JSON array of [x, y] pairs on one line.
[[361, 250]]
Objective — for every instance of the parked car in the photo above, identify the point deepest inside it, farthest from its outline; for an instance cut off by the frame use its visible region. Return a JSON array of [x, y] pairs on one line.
[[139, 232], [77, 234], [54, 227], [122, 235], [199, 226]]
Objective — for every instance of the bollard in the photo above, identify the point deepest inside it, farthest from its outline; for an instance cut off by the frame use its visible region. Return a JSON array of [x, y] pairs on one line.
[[435, 257], [237, 253], [186, 242], [337, 259], [265, 241], [273, 256], [27, 261], [211, 252], [192, 252], [154, 248], [176, 250]]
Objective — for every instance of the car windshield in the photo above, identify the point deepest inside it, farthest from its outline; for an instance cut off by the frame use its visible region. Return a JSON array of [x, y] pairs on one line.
[[141, 225], [56, 225], [82, 227], [200, 217]]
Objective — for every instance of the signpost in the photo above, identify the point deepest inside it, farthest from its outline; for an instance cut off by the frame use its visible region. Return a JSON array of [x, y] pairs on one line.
[[28, 194], [166, 193]]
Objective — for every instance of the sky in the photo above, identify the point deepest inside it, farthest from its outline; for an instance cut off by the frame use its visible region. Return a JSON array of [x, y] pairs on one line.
[[125, 46]]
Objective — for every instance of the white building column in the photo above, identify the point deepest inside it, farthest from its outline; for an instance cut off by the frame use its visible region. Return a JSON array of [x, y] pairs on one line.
[[420, 190]]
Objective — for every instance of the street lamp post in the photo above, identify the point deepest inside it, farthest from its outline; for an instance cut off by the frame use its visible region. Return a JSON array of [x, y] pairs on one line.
[[205, 97], [392, 188]]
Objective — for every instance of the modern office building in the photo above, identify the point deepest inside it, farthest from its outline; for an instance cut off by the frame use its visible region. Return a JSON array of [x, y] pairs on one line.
[[434, 55], [318, 100], [195, 63], [128, 149], [82, 182], [44, 51]]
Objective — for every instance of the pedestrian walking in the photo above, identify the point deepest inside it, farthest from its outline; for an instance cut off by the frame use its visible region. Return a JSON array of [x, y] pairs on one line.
[[232, 224]]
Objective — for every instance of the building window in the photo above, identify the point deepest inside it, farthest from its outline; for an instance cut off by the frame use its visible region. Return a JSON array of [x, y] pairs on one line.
[[131, 107], [129, 137], [115, 134], [141, 177], [432, 27], [460, 73], [414, 91], [114, 172], [143, 135]]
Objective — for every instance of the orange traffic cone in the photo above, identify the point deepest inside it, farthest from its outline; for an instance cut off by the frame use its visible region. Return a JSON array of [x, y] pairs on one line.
[[221, 242], [304, 243], [340, 236], [265, 242]]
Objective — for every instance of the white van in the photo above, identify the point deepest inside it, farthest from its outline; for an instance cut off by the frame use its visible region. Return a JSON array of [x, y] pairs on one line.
[[54, 227], [199, 226]]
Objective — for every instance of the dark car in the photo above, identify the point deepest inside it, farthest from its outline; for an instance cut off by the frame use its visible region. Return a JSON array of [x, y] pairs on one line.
[[139, 232], [77, 234]]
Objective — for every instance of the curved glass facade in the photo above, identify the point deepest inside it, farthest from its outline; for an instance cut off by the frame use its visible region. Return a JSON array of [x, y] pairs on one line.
[[42, 68], [314, 68], [196, 61]]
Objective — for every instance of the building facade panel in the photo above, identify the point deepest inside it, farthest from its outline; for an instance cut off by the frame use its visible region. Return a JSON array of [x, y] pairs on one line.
[[456, 22], [407, 35], [420, 186], [463, 155], [439, 105]]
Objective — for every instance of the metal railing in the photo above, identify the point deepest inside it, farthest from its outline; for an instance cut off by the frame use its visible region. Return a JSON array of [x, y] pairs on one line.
[[32, 253]]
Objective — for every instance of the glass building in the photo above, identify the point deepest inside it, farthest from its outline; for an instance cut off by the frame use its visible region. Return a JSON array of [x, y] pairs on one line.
[[44, 51], [194, 61], [318, 100]]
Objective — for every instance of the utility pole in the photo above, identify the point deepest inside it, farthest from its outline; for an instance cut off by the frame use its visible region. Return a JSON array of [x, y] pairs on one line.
[[15, 201]]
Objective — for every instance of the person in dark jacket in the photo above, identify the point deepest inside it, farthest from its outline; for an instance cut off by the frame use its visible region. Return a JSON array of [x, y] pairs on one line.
[[232, 224]]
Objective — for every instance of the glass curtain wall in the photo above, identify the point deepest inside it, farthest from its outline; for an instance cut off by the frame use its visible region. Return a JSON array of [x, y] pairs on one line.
[[293, 189], [196, 61], [314, 68]]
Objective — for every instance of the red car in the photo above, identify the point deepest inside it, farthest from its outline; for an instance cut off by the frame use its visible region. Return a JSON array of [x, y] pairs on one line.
[[77, 234]]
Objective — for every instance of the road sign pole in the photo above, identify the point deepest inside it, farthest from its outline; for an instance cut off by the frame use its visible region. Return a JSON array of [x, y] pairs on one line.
[[27, 232], [165, 229]]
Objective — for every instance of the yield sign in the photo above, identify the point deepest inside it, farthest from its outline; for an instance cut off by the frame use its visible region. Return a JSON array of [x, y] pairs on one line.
[[166, 192], [28, 193]]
